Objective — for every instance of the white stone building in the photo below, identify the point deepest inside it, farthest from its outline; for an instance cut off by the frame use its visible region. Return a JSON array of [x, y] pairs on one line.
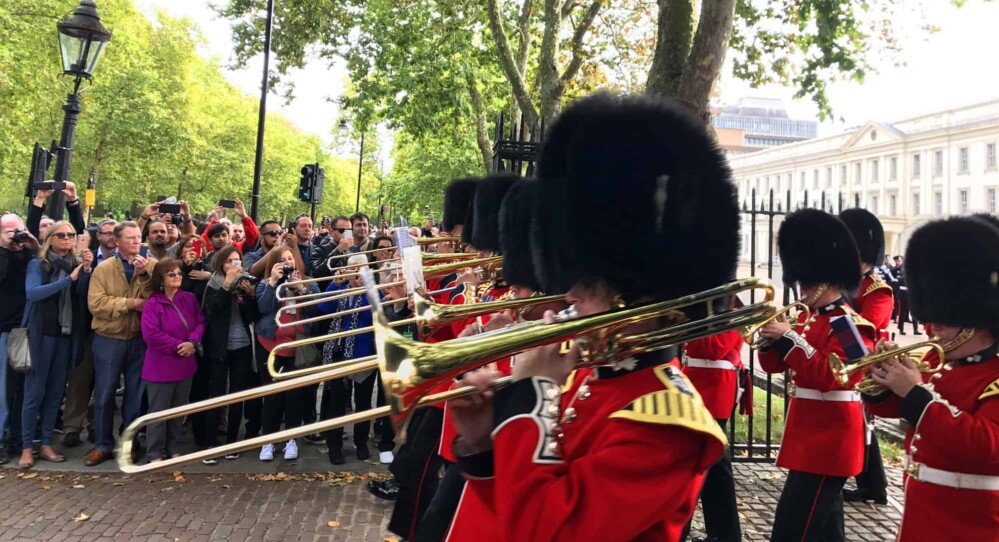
[[906, 172]]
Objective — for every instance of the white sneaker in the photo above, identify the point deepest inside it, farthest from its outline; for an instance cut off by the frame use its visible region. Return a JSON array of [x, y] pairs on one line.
[[267, 452], [385, 457], [291, 450]]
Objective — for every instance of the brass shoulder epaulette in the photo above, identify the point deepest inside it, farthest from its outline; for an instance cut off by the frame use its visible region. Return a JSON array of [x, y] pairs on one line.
[[876, 284], [858, 320], [992, 390], [678, 404]]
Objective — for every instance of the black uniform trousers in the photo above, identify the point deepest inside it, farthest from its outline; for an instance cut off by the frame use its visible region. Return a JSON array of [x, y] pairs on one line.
[[904, 314], [872, 479], [718, 502], [416, 469], [810, 509], [440, 514]]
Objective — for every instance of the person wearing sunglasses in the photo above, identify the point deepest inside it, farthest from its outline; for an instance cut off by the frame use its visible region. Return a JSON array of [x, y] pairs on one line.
[[172, 326], [328, 254], [54, 314], [271, 235]]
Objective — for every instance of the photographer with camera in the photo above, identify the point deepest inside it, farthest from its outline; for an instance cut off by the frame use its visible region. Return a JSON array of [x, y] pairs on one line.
[[282, 266], [177, 214], [230, 309], [17, 248], [249, 235], [36, 212]]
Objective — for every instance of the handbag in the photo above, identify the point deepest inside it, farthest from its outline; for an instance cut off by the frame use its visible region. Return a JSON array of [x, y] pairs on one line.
[[197, 346], [307, 355], [18, 351]]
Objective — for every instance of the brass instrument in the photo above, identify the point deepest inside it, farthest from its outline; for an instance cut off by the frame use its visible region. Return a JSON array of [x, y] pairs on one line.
[[759, 343], [410, 369], [428, 258], [867, 385], [435, 240], [428, 272], [430, 316]]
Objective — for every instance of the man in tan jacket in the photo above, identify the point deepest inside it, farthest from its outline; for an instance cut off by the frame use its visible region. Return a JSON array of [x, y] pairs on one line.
[[118, 291]]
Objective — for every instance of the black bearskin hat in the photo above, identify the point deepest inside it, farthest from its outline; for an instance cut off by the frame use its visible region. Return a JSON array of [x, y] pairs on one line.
[[952, 271], [457, 201], [486, 210], [634, 191], [515, 218], [868, 232], [815, 247]]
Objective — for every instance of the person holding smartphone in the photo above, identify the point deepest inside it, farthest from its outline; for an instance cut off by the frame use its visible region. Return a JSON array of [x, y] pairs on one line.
[[250, 231]]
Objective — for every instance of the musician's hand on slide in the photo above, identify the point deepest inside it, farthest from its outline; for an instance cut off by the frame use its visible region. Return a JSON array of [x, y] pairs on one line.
[[775, 329], [473, 415]]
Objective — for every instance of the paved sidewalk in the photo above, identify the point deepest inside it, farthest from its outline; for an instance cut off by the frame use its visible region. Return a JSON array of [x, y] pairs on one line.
[[320, 506]]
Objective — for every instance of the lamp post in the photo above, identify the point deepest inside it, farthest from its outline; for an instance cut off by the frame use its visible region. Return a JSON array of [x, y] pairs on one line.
[[82, 39], [343, 127], [258, 160]]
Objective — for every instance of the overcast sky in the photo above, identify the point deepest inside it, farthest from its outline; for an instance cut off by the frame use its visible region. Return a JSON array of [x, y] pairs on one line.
[[951, 68]]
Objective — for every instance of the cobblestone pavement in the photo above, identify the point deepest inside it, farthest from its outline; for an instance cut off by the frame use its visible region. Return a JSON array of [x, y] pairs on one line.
[[69, 506]]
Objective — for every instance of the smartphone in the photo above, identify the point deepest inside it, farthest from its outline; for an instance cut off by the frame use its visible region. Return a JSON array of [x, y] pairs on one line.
[[227, 203], [348, 234], [60, 185], [169, 208]]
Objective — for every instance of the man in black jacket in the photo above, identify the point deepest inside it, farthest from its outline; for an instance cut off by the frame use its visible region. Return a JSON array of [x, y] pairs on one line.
[[14, 258]]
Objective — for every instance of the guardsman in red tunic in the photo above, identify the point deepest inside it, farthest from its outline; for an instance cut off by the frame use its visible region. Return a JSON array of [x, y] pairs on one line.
[[635, 202], [874, 301], [824, 434], [952, 444], [713, 365]]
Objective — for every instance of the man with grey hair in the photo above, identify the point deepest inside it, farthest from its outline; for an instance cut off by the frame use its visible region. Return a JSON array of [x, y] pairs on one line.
[[17, 248]]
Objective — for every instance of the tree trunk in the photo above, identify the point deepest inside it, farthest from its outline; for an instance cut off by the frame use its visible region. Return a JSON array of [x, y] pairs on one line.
[[707, 54], [481, 134], [515, 77], [548, 72], [523, 49], [673, 43]]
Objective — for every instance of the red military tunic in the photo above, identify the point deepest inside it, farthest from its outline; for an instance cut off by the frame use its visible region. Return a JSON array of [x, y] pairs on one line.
[[634, 451], [822, 435], [875, 301], [954, 428], [712, 364]]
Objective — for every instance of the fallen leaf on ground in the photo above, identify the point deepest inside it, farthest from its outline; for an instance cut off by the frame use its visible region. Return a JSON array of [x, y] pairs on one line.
[[391, 539], [95, 477], [46, 488], [178, 477], [333, 524], [81, 517], [119, 483], [28, 476], [79, 486], [225, 487], [215, 479]]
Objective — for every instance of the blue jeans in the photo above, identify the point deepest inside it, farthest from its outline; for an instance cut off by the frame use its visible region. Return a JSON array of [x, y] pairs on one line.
[[3, 382], [44, 386], [112, 357]]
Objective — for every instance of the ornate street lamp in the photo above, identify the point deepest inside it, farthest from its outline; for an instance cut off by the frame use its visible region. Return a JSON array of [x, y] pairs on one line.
[[82, 39]]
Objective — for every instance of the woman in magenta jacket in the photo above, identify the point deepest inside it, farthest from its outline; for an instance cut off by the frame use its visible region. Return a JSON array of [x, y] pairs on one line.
[[172, 325]]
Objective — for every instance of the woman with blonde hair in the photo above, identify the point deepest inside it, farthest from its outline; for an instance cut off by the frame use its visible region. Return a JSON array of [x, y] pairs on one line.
[[54, 285]]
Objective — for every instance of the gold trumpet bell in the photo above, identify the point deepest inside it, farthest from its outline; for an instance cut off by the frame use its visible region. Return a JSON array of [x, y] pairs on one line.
[[844, 373]]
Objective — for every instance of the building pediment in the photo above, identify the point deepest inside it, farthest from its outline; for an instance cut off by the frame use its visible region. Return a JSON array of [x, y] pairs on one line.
[[871, 134]]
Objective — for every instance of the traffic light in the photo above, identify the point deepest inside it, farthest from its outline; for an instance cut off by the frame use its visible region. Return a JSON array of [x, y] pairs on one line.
[[306, 183], [317, 186]]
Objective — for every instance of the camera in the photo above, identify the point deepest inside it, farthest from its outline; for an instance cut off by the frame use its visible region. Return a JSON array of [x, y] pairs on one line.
[[177, 220], [248, 278], [21, 236], [288, 270]]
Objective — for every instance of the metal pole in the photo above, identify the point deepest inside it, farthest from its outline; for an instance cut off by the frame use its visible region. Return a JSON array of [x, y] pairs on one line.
[[262, 114], [360, 164], [64, 154]]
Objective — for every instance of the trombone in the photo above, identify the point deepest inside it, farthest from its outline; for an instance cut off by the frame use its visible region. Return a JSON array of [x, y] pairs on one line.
[[759, 343], [428, 271], [410, 369], [430, 316], [843, 372], [428, 258]]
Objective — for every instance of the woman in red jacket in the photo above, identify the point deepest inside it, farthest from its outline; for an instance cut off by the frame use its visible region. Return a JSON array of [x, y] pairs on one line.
[[824, 435]]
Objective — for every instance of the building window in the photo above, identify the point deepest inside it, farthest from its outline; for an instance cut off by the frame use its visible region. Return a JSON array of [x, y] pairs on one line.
[[893, 169], [937, 163], [790, 184], [858, 172], [915, 204], [828, 177], [990, 157], [937, 203], [801, 181], [815, 179], [962, 198], [874, 171], [892, 204], [874, 204], [766, 184], [842, 175], [990, 200], [962, 160], [916, 166]]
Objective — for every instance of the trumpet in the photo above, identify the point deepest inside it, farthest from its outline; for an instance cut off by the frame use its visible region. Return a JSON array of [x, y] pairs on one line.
[[759, 343], [843, 372], [410, 369], [430, 316]]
